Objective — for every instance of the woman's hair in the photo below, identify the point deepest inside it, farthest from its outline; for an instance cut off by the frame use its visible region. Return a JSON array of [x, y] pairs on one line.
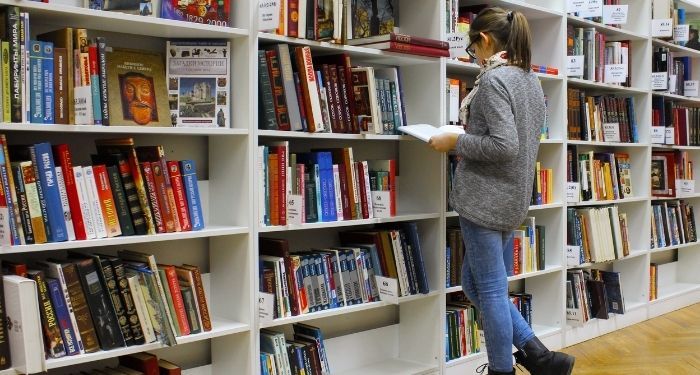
[[510, 32]]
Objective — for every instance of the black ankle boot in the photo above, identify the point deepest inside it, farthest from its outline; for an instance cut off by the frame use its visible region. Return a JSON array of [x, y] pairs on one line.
[[492, 372], [538, 360]]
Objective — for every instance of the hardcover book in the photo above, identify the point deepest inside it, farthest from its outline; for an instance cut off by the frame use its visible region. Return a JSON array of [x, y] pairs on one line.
[[209, 12], [137, 91], [199, 77], [371, 18]]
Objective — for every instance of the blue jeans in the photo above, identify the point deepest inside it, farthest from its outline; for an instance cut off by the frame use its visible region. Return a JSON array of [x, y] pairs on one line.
[[487, 254]]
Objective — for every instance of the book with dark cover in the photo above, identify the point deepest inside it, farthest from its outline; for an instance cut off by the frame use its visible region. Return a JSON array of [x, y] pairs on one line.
[[60, 85], [126, 298], [145, 362], [598, 298], [80, 308], [53, 341], [106, 323], [168, 368], [266, 106], [109, 281], [136, 214], [613, 290], [279, 100], [306, 332], [62, 316], [120, 200], [201, 297], [190, 308], [23, 205], [541, 241], [287, 76], [411, 230], [5, 358], [11, 18]]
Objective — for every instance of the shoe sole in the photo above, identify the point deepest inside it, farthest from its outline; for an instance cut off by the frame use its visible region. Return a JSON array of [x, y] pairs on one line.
[[572, 360]]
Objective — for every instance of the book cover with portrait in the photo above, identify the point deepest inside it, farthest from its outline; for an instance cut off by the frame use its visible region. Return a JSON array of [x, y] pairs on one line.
[[198, 73], [136, 89]]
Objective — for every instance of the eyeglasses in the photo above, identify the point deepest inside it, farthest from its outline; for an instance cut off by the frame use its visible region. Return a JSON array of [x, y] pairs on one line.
[[471, 51]]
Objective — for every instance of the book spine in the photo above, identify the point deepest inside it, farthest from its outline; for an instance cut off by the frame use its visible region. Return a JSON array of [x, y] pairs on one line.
[[47, 73], [109, 281], [201, 298], [65, 207], [36, 84], [181, 209], [13, 27], [60, 85], [266, 107], [95, 84], [144, 318], [9, 227], [84, 202], [102, 72], [191, 310], [93, 198], [63, 159], [63, 317], [278, 97], [106, 198], [309, 84], [132, 197], [166, 210], [121, 205], [80, 309], [180, 311], [47, 180], [40, 193], [122, 286], [152, 196], [287, 75], [169, 192], [189, 179], [23, 207], [53, 344], [33, 202]]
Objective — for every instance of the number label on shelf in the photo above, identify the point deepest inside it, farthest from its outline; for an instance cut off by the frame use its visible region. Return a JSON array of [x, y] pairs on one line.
[[658, 135], [681, 33], [388, 289], [690, 88], [573, 192], [295, 209], [573, 255], [458, 44], [574, 65], [611, 132], [659, 81], [662, 27], [670, 136], [685, 188], [593, 8], [615, 73], [268, 14], [615, 14], [266, 307]]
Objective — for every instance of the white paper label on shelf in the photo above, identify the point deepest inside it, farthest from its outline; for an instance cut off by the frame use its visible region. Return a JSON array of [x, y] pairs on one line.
[[594, 8], [685, 188], [388, 289], [670, 135], [575, 6], [295, 209], [381, 203], [662, 27], [266, 306], [574, 317], [611, 132], [268, 14], [574, 65], [690, 88], [615, 14], [681, 33], [573, 255], [658, 135], [573, 192], [458, 44], [659, 81], [615, 73]]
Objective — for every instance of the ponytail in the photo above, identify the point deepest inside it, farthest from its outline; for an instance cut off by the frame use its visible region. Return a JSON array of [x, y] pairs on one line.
[[510, 32]]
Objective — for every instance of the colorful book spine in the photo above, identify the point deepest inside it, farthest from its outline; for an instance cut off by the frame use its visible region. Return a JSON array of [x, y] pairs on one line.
[[106, 198], [63, 316], [7, 231], [128, 300], [150, 184], [80, 308], [189, 179], [84, 203], [48, 77], [23, 206], [46, 170], [95, 84], [120, 201], [102, 71], [30, 187], [63, 159], [181, 208], [93, 199], [53, 341], [166, 209], [180, 311], [65, 207], [36, 83], [13, 27]]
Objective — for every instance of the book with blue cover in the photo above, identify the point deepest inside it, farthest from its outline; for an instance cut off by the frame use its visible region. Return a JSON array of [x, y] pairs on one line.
[[47, 76], [189, 179], [36, 85], [46, 169], [63, 316]]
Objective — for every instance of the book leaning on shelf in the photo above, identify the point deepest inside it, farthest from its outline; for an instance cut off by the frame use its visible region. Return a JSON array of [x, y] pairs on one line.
[[304, 354], [45, 198], [592, 294], [299, 92], [93, 302], [672, 223], [683, 120]]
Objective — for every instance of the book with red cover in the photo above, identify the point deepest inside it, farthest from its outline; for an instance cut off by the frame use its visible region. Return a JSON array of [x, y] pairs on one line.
[[168, 368], [145, 362], [281, 186], [181, 208], [179, 304], [62, 156], [401, 38], [104, 193], [19, 269], [156, 154], [410, 49], [166, 210], [363, 189], [201, 297], [152, 194], [343, 66], [293, 18]]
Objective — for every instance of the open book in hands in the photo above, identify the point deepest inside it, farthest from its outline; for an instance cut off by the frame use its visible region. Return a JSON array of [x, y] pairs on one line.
[[424, 131]]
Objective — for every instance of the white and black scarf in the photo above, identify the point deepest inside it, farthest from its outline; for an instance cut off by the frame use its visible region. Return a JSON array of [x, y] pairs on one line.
[[498, 59]]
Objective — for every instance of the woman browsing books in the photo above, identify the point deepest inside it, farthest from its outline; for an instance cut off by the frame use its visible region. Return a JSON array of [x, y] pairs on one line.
[[493, 183]]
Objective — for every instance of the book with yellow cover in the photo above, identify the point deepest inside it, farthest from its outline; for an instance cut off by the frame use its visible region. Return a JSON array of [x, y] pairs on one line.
[[137, 93]]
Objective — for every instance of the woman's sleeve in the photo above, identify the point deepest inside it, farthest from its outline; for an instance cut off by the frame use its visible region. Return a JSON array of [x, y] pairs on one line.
[[501, 142]]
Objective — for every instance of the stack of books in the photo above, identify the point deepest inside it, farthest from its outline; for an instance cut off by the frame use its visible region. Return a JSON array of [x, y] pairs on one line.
[[403, 43]]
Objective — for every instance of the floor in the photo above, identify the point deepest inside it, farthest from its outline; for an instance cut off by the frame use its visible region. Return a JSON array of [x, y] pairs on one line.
[[669, 344]]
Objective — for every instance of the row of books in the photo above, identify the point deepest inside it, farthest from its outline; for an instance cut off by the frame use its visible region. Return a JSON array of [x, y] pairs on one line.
[[216, 13], [459, 19], [683, 120], [64, 77], [528, 251], [323, 186], [596, 234], [304, 354], [456, 91], [592, 294], [674, 12], [126, 191], [87, 303], [668, 169], [653, 281], [601, 176], [677, 69], [598, 53], [672, 223], [339, 276], [542, 186], [463, 330], [326, 93], [602, 118]]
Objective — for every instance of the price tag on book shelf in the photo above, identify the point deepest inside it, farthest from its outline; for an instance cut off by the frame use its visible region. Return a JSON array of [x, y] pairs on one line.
[[615, 14], [268, 14], [266, 306], [662, 28], [388, 289], [681, 33], [659, 81], [458, 44], [690, 88], [611, 132], [381, 203], [295, 209], [670, 135], [685, 188], [576, 6], [672, 79], [573, 192], [658, 135], [615, 73], [574, 65], [573, 255], [593, 8]]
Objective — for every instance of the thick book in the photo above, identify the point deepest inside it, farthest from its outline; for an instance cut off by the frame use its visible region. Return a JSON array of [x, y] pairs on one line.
[[8, 183], [287, 77], [176, 295], [83, 317], [63, 318], [53, 341], [109, 282], [94, 83], [181, 207], [65, 206], [85, 209], [309, 86], [164, 188], [144, 318], [47, 79], [36, 83], [6, 116], [125, 296], [186, 282], [201, 296], [401, 38], [131, 217], [11, 33], [424, 131], [199, 78], [46, 170], [25, 337], [266, 105], [145, 362], [106, 198], [279, 99], [23, 203], [189, 179], [63, 159], [153, 197], [168, 368], [93, 199], [120, 201]]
